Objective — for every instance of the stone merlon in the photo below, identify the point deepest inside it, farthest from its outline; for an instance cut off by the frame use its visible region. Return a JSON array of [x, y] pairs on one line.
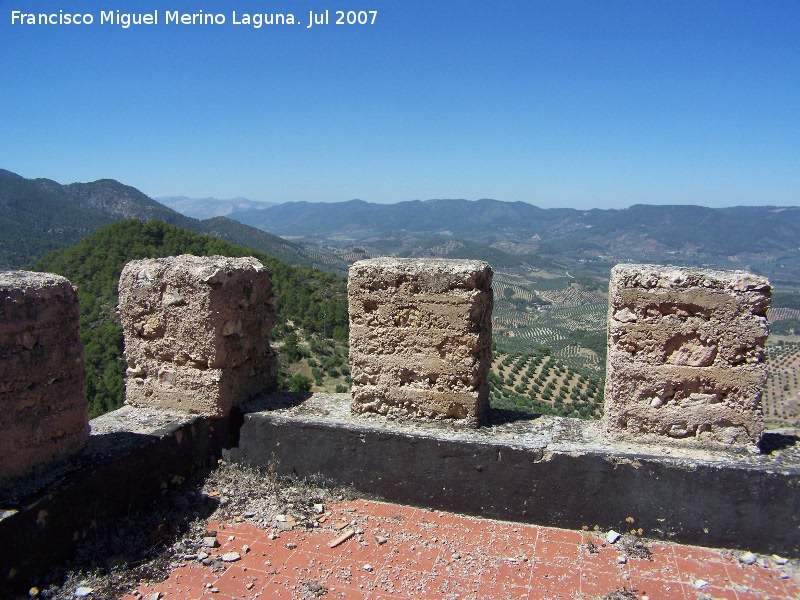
[[420, 337]]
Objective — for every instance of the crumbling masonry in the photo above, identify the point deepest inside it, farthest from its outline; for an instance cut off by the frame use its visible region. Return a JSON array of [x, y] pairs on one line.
[[420, 337], [685, 350], [43, 409], [197, 332]]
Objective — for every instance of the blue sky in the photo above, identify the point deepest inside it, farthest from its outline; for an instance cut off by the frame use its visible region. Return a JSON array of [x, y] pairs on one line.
[[557, 103]]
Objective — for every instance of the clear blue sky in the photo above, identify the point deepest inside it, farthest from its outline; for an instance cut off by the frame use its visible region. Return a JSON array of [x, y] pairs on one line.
[[557, 103]]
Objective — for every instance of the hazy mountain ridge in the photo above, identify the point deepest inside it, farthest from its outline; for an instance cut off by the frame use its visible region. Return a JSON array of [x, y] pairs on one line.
[[717, 231], [764, 238], [207, 208]]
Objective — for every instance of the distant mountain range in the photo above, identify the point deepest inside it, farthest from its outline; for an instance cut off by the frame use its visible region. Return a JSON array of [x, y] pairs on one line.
[[207, 208], [737, 237], [40, 215], [721, 231]]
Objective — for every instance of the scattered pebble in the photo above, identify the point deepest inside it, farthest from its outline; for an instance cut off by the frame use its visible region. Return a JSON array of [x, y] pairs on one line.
[[700, 583], [82, 592], [231, 557], [319, 508], [621, 560], [368, 568], [210, 542], [291, 545], [748, 558], [380, 539], [245, 549], [779, 560], [612, 537]]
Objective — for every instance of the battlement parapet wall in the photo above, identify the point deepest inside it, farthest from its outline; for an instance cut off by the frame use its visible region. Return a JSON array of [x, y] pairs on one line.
[[420, 337], [685, 356], [197, 332], [43, 409]]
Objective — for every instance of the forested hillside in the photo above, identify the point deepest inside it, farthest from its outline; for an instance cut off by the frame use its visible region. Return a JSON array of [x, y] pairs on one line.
[[41, 215], [302, 295]]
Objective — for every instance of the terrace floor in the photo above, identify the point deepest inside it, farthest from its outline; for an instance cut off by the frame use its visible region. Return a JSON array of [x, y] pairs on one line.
[[399, 552]]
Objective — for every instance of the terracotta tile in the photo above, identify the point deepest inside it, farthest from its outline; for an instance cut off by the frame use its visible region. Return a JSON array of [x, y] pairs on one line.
[[491, 590], [372, 552], [748, 595], [445, 520], [602, 583], [393, 512], [415, 556], [307, 565], [657, 589], [563, 536], [277, 589], [234, 583], [517, 573], [418, 561], [512, 546], [602, 558], [558, 553], [242, 532], [346, 592], [450, 586], [756, 578], [697, 553], [769, 586], [710, 591], [792, 587], [274, 551], [710, 571], [550, 584], [662, 567]]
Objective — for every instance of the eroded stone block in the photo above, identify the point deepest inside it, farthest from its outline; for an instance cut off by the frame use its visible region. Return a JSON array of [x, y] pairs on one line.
[[685, 351], [43, 407], [197, 332], [420, 337]]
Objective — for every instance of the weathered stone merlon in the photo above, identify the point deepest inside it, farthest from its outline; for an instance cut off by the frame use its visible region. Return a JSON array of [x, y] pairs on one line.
[[420, 337], [685, 351], [197, 332], [43, 407]]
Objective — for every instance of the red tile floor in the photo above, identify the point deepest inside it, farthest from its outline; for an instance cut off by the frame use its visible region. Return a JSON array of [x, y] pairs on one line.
[[431, 554]]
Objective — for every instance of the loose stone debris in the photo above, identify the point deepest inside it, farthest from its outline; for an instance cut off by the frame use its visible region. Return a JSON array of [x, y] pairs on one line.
[[146, 546]]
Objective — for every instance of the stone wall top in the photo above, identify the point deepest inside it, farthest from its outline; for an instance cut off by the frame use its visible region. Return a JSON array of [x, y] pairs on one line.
[[670, 277], [438, 275], [30, 284]]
